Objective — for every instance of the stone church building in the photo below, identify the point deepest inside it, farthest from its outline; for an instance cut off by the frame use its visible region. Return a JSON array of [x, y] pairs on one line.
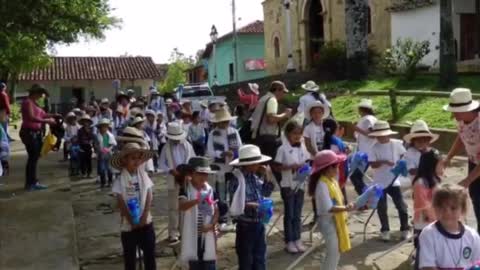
[[314, 22]]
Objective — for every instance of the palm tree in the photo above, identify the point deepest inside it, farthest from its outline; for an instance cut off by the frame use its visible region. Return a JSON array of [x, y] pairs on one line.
[[448, 61], [356, 26]]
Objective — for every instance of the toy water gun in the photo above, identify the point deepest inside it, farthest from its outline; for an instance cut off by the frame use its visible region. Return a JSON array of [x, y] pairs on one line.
[[265, 210], [369, 198], [303, 173], [359, 160], [134, 209], [206, 202], [400, 169]]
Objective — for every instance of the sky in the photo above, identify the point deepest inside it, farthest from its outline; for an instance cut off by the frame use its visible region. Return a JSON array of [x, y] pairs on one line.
[[154, 27]]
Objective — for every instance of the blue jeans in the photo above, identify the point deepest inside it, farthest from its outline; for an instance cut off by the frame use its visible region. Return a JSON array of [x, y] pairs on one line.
[[104, 170], [251, 246], [292, 217]]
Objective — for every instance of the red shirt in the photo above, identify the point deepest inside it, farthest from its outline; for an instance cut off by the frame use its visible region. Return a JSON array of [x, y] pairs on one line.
[[4, 101], [32, 121]]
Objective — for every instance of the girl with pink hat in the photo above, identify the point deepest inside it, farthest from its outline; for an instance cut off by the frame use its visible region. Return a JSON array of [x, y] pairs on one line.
[[331, 211]]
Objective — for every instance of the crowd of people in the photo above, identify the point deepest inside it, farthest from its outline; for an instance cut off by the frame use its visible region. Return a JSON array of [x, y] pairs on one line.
[[221, 168]]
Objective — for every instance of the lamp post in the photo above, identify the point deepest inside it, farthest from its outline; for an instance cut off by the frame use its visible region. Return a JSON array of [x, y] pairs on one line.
[[235, 45], [290, 63], [214, 37]]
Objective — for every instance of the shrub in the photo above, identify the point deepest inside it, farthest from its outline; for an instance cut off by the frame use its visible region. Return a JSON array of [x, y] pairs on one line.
[[404, 57], [14, 112]]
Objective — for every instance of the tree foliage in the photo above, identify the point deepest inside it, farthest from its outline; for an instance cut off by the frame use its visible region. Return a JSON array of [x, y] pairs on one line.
[[404, 57], [29, 27], [179, 63]]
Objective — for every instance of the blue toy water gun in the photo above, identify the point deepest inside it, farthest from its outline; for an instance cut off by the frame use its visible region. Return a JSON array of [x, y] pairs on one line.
[[359, 160], [303, 173], [134, 209], [400, 169], [265, 210], [369, 198]]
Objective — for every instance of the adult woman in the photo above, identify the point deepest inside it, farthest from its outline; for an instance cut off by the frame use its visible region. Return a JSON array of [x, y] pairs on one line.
[[33, 116]]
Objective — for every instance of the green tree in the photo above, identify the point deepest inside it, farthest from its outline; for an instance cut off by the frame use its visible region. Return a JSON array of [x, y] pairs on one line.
[[178, 64], [356, 26], [448, 61], [29, 27]]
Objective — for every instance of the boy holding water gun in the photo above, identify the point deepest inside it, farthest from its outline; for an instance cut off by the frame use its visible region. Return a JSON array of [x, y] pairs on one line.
[[133, 190]]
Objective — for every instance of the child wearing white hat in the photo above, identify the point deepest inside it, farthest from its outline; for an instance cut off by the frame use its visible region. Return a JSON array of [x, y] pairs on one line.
[[104, 144], [383, 156], [176, 151], [465, 110], [247, 188], [222, 146], [314, 133]]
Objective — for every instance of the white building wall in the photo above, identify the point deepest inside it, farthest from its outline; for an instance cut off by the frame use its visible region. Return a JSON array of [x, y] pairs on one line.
[[420, 25], [99, 88]]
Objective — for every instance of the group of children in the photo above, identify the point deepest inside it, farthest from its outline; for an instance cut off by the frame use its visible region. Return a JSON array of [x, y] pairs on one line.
[[212, 178]]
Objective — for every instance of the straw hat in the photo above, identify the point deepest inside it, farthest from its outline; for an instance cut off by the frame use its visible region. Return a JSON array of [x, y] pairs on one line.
[[249, 154], [137, 120], [131, 134], [420, 129], [254, 88], [135, 111], [104, 101], [130, 92], [326, 158], [279, 84], [77, 111], [380, 129], [104, 122], [150, 112], [175, 132], [200, 165], [222, 115], [366, 103], [310, 86], [204, 103], [168, 101], [130, 148], [85, 118], [318, 104], [461, 101], [70, 115]]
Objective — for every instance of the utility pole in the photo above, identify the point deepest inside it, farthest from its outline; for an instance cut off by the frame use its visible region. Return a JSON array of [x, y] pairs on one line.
[[290, 63], [235, 51]]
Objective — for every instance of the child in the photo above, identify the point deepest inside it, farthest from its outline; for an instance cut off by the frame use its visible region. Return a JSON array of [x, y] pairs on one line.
[[71, 130], [160, 132], [223, 144], [383, 156], [313, 132], [149, 127], [418, 140], [133, 190], [119, 120], [85, 141], [138, 122], [200, 215], [104, 146], [196, 134], [74, 152], [448, 243], [105, 111], [364, 142], [176, 151], [247, 188], [205, 115], [186, 120], [427, 178], [291, 156], [332, 217]]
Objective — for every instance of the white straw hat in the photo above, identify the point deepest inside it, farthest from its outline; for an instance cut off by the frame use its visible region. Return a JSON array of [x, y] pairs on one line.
[[380, 129], [254, 88], [366, 103], [222, 115], [130, 148], [249, 154], [131, 134], [461, 101], [310, 86], [104, 101], [104, 121], [318, 104], [86, 118], [175, 131], [137, 120], [420, 129], [150, 112]]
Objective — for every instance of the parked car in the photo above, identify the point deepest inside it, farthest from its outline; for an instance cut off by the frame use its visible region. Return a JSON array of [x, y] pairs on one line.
[[197, 93]]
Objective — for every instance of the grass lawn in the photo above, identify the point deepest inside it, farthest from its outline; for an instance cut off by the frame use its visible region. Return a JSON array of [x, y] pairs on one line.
[[410, 108]]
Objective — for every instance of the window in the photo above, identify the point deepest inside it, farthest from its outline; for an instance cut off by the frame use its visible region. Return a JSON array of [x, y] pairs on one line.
[[276, 46], [231, 72], [369, 20]]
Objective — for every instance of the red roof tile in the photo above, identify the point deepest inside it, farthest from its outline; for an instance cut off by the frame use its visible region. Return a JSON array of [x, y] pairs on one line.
[[95, 68]]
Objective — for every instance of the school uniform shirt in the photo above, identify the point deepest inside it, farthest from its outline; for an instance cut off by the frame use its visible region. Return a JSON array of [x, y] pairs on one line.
[[70, 131], [290, 155], [196, 133], [304, 102], [391, 151], [445, 251], [316, 135], [222, 140], [129, 188], [323, 201], [365, 142], [105, 140], [412, 157]]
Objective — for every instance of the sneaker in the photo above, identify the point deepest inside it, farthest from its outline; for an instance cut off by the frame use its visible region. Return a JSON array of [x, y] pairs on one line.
[[385, 236], [37, 187], [224, 227], [300, 246], [292, 248], [405, 235]]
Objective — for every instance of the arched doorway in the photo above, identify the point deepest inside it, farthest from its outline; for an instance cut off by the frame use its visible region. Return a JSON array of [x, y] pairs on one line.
[[315, 35]]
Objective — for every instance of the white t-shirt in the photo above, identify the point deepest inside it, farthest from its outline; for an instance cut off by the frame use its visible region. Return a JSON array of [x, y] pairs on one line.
[[412, 157], [365, 142], [391, 151], [288, 155], [304, 102], [132, 190], [316, 135], [443, 250], [323, 201]]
